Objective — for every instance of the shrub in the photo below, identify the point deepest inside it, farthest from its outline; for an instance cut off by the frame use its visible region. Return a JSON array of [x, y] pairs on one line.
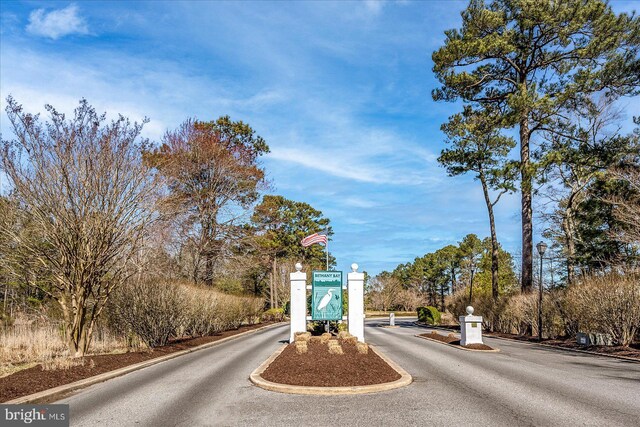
[[483, 303], [301, 347], [155, 311], [609, 304], [302, 336], [158, 311], [273, 315], [335, 349], [362, 348], [429, 314], [520, 314]]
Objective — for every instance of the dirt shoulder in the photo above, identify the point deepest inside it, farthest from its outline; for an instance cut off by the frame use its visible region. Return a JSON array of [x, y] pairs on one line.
[[35, 379]]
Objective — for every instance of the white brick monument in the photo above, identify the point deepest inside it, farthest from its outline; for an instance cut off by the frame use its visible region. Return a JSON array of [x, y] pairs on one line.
[[298, 305]]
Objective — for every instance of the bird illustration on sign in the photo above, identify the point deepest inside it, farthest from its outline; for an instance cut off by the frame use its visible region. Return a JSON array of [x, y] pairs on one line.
[[325, 300]]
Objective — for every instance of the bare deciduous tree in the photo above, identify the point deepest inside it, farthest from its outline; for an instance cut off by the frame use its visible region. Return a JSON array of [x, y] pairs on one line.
[[82, 186], [213, 176], [627, 209]]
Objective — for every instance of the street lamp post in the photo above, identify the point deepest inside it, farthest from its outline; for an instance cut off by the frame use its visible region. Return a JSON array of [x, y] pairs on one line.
[[473, 268], [542, 247]]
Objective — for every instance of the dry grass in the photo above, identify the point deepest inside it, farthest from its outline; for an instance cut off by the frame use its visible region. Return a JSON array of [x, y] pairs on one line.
[[301, 347], [325, 337], [350, 340], [26, 344], [315, 339], [303, 336], [343, 335], [362, 348], [335, 349]]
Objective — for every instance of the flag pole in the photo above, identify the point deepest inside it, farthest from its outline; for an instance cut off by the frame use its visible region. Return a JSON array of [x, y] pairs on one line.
[[326, 247]]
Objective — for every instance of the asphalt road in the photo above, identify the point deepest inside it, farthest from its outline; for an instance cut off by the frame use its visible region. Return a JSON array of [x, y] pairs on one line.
[[524, 384]]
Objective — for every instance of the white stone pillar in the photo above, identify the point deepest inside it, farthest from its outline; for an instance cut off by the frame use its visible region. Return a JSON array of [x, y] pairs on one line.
[[298, 302], [355, 287], [470, 328]]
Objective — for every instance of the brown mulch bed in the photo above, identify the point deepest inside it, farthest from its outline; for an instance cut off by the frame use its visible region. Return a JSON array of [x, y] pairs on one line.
[[35, 379], [633, 351], [450, 339], [319, 368]]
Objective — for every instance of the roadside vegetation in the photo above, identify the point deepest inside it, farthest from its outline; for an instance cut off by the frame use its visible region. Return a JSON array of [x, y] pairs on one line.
[[112, 243], [542, 88]]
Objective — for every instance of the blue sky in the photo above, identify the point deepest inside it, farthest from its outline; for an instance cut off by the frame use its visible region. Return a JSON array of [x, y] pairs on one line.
[[341, 91]]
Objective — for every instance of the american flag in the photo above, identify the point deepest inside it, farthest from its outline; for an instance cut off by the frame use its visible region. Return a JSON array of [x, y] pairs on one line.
[[314, 238]]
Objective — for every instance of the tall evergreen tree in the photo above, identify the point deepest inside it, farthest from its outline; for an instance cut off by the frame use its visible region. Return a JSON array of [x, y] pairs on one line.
[[280, 225], [533, 61], [477, 146]]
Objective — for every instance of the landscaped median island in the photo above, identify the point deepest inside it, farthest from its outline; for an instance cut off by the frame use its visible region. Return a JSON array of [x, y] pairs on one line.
[[452, 340], [328, 364]]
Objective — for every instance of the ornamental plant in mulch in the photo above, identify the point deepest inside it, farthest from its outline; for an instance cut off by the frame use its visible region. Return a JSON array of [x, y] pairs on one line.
[[329, 361], [453, 340]]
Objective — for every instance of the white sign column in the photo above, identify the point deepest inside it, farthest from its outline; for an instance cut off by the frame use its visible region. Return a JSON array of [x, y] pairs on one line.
[[470, 328], [298, 306], [355, 286]]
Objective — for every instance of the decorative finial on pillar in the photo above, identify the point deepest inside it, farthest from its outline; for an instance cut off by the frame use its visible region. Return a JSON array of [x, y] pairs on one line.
[[469, 310], [354, 267], [298, 266]]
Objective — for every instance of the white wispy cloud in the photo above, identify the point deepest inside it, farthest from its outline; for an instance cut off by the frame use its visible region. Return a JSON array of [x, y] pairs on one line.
[[374, 6], [57, 23]]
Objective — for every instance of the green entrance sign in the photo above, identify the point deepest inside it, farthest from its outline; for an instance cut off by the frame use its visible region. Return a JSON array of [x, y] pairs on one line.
[[326, 295]]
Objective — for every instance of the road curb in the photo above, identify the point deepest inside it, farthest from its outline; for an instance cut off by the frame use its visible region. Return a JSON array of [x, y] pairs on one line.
[[256, 378], [66, 388], [459, 347], [572, 350]]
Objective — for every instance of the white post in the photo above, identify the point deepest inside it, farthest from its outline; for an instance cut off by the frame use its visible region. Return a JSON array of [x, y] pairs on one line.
[[470, 328], [298, 305], [355, 286]]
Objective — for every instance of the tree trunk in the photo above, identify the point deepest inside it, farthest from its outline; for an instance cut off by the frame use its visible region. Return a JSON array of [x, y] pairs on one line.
[[275, 283], [471, 289], [75, 333], [494, 239], [453, 279], [209, 268], [271, 286], [567, 228], [526, 207]]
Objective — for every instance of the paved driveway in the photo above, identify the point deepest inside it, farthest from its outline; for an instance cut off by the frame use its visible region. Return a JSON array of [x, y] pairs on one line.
[[523, 385]]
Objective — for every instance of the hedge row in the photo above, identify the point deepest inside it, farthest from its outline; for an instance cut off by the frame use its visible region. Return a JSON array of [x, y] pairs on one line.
[[158, 311]]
